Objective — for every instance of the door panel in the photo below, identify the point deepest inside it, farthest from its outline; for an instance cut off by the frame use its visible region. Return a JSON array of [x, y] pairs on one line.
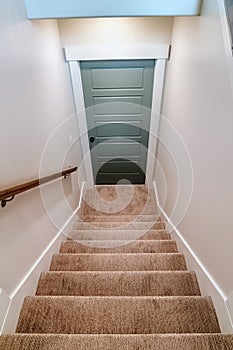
[[126, 166], [117, 105], [122, 148], [123, 128], [118, 97], [112, 78]]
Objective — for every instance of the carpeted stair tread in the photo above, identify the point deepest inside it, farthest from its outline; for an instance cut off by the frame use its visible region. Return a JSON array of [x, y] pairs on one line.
[[118, 284], [133, 283], [118, 200], [118, 262], [117, 315], [119, 218], [117, 342], [134, 209], [116, 247], [119, 225], [118, 234]]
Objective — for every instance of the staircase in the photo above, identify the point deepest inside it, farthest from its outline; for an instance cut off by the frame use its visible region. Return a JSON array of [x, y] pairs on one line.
[[118, 282]]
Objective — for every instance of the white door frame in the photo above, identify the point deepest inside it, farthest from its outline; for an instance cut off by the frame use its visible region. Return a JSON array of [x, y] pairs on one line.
[[74, 55]]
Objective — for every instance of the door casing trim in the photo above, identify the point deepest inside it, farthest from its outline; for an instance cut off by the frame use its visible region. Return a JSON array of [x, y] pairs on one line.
[[74, 55]]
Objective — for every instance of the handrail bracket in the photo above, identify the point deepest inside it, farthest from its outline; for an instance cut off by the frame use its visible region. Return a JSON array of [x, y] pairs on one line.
[[4, 201]]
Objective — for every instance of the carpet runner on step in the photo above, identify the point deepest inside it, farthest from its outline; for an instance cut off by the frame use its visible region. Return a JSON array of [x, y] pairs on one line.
[[118, 283]]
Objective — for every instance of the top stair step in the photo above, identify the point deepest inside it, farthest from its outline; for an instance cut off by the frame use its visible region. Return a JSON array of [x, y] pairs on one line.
[[118, 200]]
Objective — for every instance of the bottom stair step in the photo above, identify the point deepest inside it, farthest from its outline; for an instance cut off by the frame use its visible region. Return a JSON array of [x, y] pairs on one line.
[[117, 342], [118, 315]]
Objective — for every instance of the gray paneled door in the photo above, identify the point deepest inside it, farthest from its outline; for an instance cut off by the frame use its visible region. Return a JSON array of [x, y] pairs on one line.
[[118, 97]]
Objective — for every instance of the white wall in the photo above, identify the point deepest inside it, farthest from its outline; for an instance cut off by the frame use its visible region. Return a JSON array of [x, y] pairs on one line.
[[115, 31], [198, 102], [35, 99]]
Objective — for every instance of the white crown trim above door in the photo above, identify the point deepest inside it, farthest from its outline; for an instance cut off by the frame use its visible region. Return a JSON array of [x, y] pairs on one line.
[[117, 52]]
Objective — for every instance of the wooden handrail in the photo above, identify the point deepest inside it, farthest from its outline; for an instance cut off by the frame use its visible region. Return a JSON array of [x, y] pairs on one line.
[[12, 191]]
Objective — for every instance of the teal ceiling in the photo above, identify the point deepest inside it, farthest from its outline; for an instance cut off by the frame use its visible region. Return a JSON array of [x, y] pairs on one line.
[[39, 9]]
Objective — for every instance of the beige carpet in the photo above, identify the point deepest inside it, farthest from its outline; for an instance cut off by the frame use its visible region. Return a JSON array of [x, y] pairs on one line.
[[116, 342], [119, 218], [135, 225], [113, 235], [118, 282], [117, 315], [116, 247], [118, 262], [118, 201]]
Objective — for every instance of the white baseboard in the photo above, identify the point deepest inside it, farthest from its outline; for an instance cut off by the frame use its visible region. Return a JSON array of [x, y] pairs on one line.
[[229, 304], [208, 286], [5, 304], [10, 306], [28, 287]]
